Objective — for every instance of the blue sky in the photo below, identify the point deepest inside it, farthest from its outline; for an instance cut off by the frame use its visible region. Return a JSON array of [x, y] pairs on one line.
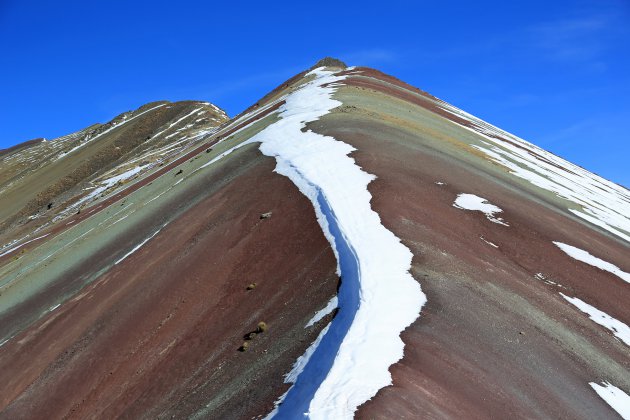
[[556, 73]]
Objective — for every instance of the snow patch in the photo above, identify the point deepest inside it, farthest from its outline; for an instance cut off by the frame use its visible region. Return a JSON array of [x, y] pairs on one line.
[[476, 203], [586, 257], [331, 306], [619, 329], [614, 397]]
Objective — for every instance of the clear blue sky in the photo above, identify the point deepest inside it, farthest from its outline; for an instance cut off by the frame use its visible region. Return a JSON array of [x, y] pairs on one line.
[[556, 73]]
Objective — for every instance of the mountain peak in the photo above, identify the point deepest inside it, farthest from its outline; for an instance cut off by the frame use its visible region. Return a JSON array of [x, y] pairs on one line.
[[330, 62]]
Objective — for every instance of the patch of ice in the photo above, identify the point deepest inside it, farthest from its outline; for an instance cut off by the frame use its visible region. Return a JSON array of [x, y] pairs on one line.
[[331, 306], [586, 257], [614, 397], [619, 329], [476, 203]]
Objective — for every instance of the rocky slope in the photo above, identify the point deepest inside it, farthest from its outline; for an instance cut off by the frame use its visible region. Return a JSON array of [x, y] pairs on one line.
[[172, 263], [40, 175]]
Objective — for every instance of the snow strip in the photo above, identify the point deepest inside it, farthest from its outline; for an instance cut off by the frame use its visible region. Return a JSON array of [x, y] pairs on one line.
[[331, 306], [621, 330], [585, 257], [476, 203], [137, 247], [125, 121], [488, 242], [614, 397], [175, 123], [21, 245], [378, 298], [108, 183]]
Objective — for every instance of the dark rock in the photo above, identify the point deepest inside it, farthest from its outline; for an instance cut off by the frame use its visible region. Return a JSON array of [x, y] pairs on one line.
[[330, 62]]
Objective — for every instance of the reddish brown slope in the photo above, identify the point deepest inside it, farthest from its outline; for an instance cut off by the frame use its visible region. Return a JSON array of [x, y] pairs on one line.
[[168, 320]]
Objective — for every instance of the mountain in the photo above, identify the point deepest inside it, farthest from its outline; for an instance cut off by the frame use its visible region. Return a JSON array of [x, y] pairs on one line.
[[347, 246]]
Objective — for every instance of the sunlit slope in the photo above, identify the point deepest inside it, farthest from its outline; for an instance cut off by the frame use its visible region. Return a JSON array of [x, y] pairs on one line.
[[277, 263], [56, 172], [500, 313]]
